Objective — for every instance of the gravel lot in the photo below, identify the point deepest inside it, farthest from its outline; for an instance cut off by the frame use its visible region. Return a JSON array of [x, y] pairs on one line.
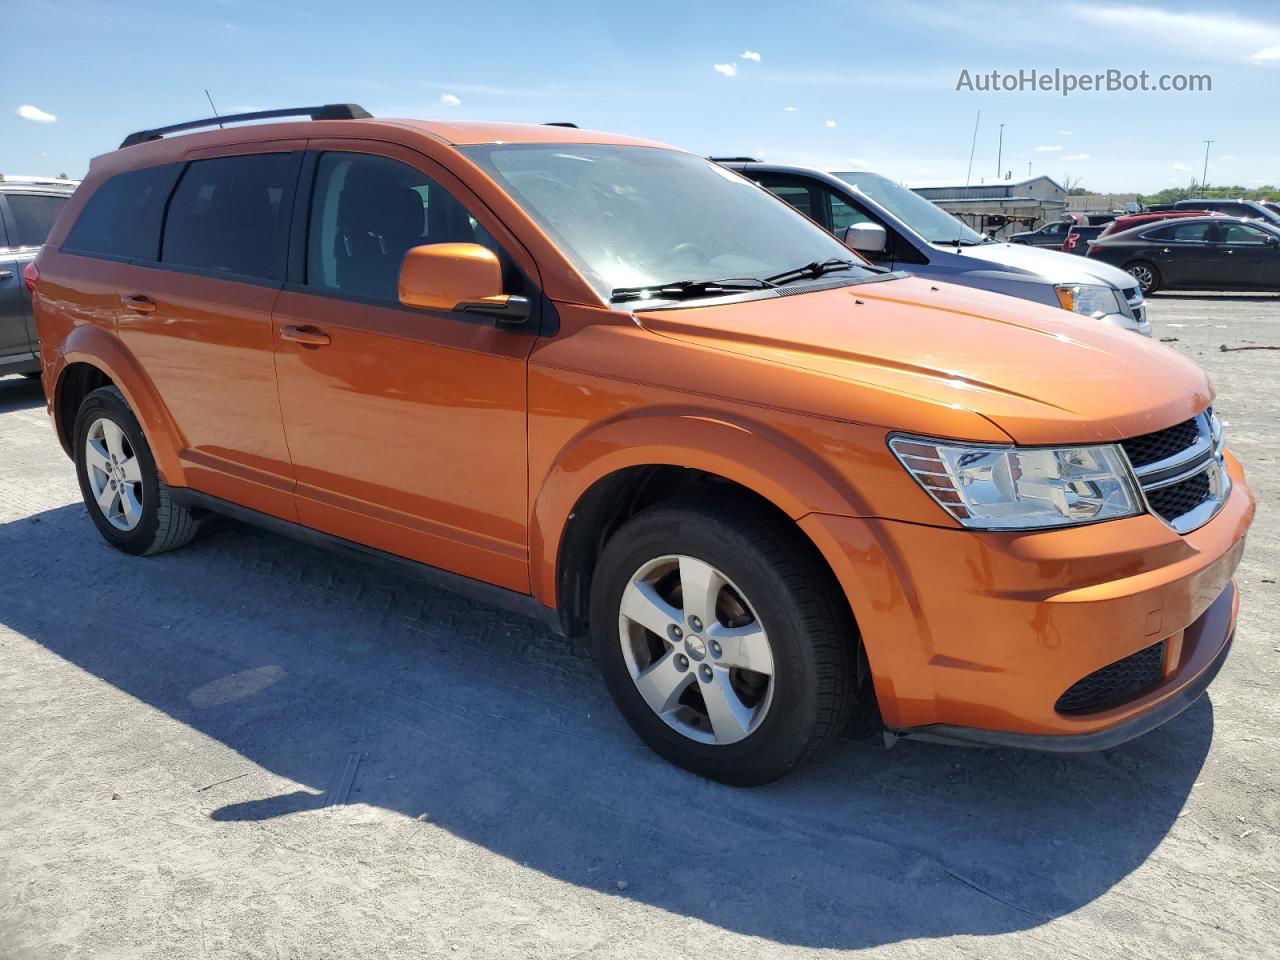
[[251, 748]]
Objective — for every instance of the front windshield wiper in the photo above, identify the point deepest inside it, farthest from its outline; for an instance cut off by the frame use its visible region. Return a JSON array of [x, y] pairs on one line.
[[811, 271], [687, 289]]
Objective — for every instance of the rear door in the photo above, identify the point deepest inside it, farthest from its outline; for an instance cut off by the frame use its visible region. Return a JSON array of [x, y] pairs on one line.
[[1182, 253], [196, 312], [28, 217], [15, 340]]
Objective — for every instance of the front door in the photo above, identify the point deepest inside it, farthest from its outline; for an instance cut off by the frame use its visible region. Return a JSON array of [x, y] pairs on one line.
[[406, 426], [1249, 258]]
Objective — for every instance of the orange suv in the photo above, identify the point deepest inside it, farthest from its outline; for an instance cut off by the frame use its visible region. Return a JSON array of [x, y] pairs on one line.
[[614, 385]]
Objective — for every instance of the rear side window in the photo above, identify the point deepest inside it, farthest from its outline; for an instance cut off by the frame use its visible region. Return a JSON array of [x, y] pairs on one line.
[[32, 217], [231, 215], [114, 223]]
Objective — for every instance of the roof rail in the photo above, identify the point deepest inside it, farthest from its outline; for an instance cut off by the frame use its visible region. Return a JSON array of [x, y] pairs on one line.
[[734, 159], [329, 111], [560, 123]]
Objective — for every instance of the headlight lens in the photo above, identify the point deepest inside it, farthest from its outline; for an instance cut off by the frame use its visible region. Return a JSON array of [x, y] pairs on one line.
[[1021, 488], [1089, 299]]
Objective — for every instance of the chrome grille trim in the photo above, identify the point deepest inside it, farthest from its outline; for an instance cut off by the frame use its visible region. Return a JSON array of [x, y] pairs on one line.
[[1203, 456]]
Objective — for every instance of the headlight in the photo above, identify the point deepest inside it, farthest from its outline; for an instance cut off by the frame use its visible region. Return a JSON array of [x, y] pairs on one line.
[[1021, 488], [1089, 299]]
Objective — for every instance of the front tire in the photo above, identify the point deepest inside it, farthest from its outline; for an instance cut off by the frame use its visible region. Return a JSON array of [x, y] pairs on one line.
[[1147, 275], [722, 639], [128, 501]]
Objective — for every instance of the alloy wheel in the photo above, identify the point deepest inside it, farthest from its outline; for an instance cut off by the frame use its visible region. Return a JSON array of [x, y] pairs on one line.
[[1143, 275], [696, 651], [115, 476]]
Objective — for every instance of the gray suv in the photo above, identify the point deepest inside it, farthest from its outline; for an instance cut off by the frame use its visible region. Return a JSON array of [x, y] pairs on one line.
[[28, 207]]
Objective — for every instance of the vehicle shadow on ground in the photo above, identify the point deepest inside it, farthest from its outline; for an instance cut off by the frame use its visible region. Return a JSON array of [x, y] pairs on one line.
[[1216, 296], [20, 393], [360, 687]]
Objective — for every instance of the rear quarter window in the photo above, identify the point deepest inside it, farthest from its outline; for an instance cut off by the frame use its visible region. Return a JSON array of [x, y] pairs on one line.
[[117, 221]]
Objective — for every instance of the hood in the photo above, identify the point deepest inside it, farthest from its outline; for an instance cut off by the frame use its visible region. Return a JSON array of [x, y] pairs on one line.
[[1041, 374], [1053, 265]]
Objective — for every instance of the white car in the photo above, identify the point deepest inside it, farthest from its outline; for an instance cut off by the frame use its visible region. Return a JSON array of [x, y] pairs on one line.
[[900, 229]]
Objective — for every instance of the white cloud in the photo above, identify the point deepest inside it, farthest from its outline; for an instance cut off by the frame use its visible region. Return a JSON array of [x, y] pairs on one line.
[[1180, 167], [35, 114], [924, 172], [727, 69], [749, 55], [1064, 133], [858, 162], [1227, 156], [1049, 148], [831, 123], [449, 100], [1267, 55], [1077, 156], [1224, 34], [789, 109]]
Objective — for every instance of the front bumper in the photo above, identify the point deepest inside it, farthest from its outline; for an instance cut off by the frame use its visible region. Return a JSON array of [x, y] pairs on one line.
[[976, 635], [1138, 323], [1217, 621]]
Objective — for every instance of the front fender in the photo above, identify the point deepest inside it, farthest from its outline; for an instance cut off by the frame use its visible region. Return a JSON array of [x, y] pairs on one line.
[[101, 349], [755, 455]]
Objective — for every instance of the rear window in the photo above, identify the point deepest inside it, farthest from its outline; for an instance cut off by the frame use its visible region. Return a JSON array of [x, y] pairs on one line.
[[114, 222], [231, 214], [32, 217]]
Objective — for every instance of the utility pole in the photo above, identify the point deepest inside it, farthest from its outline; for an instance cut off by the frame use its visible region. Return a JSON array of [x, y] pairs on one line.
[[969, 173], [1028, 169], [1000, 154], [1204, 177]]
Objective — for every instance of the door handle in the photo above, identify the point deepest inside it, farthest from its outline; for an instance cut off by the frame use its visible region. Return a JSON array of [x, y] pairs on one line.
[[307, 336], [5, 274], [139, 302]]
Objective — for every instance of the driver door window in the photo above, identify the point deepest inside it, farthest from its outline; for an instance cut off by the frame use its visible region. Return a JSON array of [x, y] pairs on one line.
[[368, 212]]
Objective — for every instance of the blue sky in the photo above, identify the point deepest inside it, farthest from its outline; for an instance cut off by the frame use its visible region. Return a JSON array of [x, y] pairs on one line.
[[829, 83]]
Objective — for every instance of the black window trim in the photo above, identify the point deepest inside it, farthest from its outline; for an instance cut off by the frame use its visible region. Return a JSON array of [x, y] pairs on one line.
[[543, 318]]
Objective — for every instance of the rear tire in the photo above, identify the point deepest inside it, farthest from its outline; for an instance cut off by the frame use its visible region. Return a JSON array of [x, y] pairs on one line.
[[1147, 275], [130, 504], [740, 687]]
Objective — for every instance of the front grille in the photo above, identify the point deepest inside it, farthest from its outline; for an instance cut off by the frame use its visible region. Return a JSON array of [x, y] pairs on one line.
[[1179, 498], [1181, 471], [1154, 447], [1115, 683]]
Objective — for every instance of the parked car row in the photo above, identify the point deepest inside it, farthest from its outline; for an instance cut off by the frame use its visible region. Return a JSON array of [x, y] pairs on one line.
[[1198, 253], [615, 386]]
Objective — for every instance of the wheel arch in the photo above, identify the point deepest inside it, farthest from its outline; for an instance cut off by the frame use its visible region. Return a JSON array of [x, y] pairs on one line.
[[609, 473], [91, 357]]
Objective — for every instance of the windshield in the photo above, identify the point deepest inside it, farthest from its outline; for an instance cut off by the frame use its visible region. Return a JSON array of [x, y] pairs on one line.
[[643, 216], [925, 218]]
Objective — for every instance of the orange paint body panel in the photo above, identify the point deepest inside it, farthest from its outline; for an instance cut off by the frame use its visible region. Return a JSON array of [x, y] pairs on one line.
[[453, 441]]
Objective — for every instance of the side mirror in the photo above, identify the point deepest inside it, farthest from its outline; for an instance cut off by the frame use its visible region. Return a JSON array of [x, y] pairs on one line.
[[463, 277], [1272, 241], [868, 238]]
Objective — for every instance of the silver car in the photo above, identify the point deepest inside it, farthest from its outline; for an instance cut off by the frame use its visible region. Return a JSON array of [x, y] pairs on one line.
[[900, 229]]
